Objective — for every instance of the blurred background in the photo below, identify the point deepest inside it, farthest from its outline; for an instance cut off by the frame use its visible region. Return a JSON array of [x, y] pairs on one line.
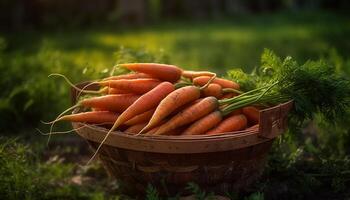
[[84, 39]]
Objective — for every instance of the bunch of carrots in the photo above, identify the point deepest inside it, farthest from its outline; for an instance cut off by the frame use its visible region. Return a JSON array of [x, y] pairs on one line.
[[161, 99]]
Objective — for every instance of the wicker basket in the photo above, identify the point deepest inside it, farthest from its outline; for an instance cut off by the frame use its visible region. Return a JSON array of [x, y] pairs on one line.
[[220, 163]]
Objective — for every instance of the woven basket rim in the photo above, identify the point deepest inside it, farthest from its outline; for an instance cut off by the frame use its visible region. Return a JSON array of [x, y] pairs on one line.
[[235, 134]]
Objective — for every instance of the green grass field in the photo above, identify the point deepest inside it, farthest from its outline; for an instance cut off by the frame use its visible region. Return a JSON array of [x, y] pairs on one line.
[[28, 95]]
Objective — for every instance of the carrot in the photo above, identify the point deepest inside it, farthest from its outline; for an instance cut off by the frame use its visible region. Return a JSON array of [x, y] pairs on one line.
[[171, 102], [134, 129], [143, 117], [146, 102], [116, 91], [177, 131], [202, 80], [193, 74], [179, 109], [164, 72], [128, 76], [214, 90], [113, 102], [204, 124], [228, 96], [152, 131], [189, 115], [138, 86], [252, 114], [98, 109], [235, 112], [91, 117], [232, 123]]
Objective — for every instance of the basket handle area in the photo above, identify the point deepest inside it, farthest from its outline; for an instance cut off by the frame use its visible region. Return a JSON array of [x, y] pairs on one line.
[[273, 121]]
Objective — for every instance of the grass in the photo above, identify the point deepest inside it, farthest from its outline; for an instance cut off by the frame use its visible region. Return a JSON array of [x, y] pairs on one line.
[[30, 170]]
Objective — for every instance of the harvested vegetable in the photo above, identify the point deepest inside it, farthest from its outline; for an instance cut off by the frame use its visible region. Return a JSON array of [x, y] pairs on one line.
[[252, 113], [134, 129], [143, 117], [164, 72], [137, 86], [214, 90], [232, 123], [146, 102], [193, 74], [202, 80], [114, 102], [94, 117], [110, 90], [149, 105], [189, 115], [128, 76], [171, 102], [204, 124]]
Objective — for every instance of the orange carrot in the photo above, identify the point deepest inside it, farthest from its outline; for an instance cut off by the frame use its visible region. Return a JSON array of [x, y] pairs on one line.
[[91, 117], [152, 131], [204, 124], [252, 114], [193, 74], [232, 123], [143, 117], [128, 76], [98, 109], [202, 80], [189, 115], [214, 90], [235, 112], [171, 102], [138, 86], [177, 131], [116, 91], [146, 102], [134, 129], [164, 72], [228, 96], [179, 109], [114, 102]]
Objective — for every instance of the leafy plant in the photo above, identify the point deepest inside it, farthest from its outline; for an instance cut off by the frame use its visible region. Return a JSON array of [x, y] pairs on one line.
[[199, 194], [255, 196], [152, 193]]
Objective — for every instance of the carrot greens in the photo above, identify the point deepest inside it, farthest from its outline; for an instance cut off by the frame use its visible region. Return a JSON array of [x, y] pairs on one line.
[[314, 86]]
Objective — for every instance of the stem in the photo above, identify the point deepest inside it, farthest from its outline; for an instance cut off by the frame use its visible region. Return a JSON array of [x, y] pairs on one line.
[[248, 101], [208, 83], [60, 115], [181, 84], [229, 90], [238, 104], [224, 101], [75, 87]]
